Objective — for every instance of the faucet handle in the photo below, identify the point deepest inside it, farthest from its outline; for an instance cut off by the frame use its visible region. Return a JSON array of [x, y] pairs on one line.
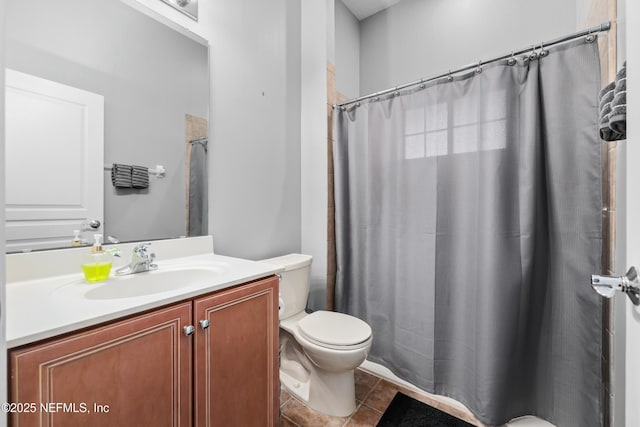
[[143, 253], [141, 248]]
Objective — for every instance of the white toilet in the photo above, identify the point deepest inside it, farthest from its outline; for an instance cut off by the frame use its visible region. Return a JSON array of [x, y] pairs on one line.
[[318, 351]]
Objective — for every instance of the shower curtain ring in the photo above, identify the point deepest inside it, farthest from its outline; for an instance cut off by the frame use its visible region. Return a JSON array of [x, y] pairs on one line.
[[590, 37], [512, 60], [479, 67], [543, 51], [449, 77], [422, 85], [533, 55]]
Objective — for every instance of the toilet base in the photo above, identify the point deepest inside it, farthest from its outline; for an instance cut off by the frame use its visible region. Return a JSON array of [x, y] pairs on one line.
[[320, 377], [327, 392]]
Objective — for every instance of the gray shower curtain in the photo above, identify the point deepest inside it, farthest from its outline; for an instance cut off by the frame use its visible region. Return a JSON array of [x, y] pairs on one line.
[[198, 189], [468, 222]]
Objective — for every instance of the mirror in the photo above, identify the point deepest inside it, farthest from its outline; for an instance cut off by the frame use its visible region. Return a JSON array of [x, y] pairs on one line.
[[155, 84]]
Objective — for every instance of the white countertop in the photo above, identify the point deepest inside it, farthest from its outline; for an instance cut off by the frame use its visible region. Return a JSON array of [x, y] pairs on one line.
[[45, 307]]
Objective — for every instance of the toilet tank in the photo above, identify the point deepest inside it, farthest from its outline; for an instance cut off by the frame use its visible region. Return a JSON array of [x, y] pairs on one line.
[[294, 285]]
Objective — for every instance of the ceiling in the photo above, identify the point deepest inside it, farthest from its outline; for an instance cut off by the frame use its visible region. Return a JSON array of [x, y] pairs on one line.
[[364, 8]]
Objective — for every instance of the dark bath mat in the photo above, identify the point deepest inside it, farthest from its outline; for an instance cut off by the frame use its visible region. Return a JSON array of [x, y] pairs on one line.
[[405, 411]]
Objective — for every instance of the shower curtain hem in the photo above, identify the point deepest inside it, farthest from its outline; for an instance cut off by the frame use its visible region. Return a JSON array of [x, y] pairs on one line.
[[451, 395]]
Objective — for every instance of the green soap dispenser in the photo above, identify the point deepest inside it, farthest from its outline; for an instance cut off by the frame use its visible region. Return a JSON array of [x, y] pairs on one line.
[[97, 264]]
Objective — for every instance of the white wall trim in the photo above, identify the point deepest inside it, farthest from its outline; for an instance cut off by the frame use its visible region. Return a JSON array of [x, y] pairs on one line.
[[314, 141]]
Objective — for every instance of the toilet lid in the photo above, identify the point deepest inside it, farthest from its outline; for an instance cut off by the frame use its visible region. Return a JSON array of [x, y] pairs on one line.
[[327, 327]]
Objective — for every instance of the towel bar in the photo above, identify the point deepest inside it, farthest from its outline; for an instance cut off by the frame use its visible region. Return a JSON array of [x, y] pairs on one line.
[[159, 171]]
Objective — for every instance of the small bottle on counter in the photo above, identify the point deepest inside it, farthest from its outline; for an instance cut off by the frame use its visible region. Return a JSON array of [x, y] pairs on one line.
[[97, 264], [77, 241]]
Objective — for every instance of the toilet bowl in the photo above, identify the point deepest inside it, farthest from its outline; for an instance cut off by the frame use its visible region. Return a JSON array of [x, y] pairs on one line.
[[319, 351]]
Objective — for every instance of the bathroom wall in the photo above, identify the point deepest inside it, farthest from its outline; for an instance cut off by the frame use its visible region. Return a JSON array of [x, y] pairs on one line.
[[255, 128], [331, 30], [415, 38], [582, 12], [314, 206], [347, 48]]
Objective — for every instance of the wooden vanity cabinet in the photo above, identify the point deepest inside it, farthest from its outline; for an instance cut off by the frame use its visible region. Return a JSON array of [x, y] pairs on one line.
[[144, 370], [138, 370]]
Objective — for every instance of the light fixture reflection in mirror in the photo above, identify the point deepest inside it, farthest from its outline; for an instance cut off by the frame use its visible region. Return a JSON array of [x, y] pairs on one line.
[[188, 7]]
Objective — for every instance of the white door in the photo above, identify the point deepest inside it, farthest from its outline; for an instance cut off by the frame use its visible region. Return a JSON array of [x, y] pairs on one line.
[[54, 161], [632, 398]]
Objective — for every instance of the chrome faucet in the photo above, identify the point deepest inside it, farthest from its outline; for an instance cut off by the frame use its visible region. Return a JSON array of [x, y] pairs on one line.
[[141, 260]]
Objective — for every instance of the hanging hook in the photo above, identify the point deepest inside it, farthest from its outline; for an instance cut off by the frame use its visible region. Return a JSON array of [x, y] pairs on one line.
[[422, 85], [449, 76], [543, 52], [590, 37], [479, 67], [512, 60], [533, 55]]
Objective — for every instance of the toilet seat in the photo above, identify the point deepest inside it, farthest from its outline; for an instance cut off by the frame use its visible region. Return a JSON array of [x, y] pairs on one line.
[[335, 330]]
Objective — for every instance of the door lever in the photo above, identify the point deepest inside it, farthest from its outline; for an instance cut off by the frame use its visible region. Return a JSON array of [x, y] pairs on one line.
[[608, 285]]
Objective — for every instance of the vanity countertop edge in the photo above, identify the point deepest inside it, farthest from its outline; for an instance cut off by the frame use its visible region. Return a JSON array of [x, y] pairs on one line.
[[37, 310]]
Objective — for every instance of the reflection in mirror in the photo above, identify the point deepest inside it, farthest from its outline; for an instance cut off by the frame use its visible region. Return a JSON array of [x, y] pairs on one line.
[[154, 82]]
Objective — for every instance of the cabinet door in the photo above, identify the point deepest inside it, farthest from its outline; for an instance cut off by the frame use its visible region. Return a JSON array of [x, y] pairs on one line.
[[236, 356], [136, 372]]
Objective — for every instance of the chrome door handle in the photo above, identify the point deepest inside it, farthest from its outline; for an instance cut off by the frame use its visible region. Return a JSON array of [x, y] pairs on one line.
[[189, 330], [608, 285], [204, 324], [91, 224]]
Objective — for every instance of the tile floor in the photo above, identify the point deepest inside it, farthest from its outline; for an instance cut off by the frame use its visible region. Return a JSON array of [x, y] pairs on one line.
[[373, 395]]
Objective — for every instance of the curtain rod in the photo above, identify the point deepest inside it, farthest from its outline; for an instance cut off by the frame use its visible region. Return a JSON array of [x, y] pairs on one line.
[[605, 26]]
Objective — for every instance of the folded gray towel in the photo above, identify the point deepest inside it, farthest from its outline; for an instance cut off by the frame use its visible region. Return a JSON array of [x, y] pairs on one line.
[[612, 120], [139, 176], [606, 97], [618, 115], [121, 176], [607, 93], [622, 72], [621, 86]]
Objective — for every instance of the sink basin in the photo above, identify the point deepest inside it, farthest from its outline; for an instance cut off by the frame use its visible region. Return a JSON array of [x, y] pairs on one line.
[[152, 282]]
